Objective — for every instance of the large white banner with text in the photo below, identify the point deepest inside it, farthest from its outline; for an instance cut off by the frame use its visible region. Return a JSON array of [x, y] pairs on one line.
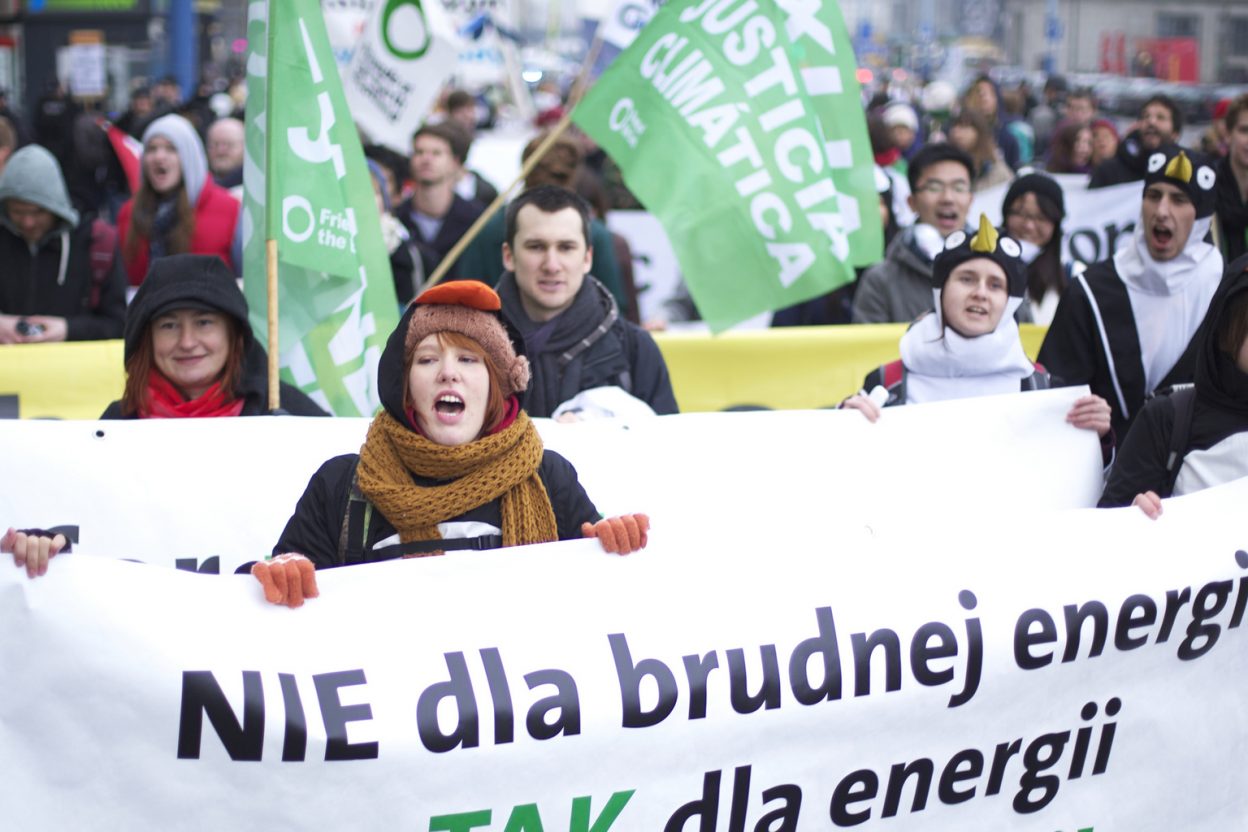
[[211, 495], [1046, 671]]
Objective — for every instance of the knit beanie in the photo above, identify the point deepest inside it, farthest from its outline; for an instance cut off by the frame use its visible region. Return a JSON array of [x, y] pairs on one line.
[[989, 244], [470, 308], [1187, 170], [185, 281], [190, 150], [1040, 185]]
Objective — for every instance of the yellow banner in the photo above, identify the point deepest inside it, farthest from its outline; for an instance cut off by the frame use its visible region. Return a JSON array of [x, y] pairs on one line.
[[788, 368]]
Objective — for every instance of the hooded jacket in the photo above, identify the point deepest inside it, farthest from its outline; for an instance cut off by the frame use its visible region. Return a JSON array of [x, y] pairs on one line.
[[186, 281], [587, 345], [323, 519], [1232, 212], [1216, 447], [55, 276], [216, 212], [898, 289]]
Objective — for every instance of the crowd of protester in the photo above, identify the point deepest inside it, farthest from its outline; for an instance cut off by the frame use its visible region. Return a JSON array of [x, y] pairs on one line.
[[73, 236]]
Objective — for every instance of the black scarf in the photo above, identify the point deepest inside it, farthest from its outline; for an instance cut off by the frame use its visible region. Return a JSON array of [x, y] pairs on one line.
[[559, 350], [164, 221]]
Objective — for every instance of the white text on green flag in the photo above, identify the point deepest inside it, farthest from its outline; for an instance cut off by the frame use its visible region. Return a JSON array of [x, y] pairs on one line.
[[336, 294], [738, 124]]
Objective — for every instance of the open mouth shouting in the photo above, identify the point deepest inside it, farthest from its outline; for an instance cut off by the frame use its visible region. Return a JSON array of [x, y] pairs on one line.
[[948, 220], [449, 407], [1162, 237]]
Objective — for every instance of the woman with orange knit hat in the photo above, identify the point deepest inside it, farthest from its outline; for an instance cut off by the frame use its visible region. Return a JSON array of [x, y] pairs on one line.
[[451, 462]]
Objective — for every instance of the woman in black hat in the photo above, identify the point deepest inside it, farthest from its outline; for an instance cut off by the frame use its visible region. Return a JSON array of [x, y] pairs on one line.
[[190, 351], [1034, 209]]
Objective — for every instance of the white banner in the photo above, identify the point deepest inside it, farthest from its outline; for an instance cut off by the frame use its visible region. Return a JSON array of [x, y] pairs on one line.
[[1039, 671], [1097, 221], [408, 48], [211, 495]]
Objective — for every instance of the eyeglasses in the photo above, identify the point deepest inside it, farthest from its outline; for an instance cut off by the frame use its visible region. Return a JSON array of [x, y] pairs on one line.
[[1034, 219], [935, 186]]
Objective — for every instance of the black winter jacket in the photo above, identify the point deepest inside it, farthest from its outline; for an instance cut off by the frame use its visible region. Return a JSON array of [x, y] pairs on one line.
[[319, 528], [320, 519], [586, 346], [44, 282], [1219, 412]]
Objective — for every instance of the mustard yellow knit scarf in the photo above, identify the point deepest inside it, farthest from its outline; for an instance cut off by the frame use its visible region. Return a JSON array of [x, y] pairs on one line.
[[503, 464]]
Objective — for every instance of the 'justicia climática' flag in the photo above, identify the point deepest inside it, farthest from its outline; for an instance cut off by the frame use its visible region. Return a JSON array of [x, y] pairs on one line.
[[738, 123], [314, 196]]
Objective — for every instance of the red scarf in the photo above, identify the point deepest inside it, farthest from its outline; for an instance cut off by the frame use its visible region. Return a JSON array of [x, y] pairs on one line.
[[165, 402]]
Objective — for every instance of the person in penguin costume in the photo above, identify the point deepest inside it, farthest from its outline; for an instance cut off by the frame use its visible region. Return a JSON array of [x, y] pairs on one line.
[[969, 345], [1124, 327]]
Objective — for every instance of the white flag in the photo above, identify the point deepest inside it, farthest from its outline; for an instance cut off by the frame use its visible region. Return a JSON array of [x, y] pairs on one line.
[[407, 51], [626, 19]]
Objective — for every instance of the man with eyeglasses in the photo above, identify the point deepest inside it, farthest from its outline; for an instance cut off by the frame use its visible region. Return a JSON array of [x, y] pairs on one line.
[[898, 289]]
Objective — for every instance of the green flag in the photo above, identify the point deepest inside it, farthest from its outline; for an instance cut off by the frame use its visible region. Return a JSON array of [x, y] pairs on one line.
[[738, 123], [313, 195]]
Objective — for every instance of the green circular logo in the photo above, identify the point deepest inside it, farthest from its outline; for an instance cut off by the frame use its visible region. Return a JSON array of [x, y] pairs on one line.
[[404, 29]]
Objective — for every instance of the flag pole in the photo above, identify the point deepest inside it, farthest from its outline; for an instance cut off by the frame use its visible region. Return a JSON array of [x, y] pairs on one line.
[[471, 234], [270, 242], [275, 385]]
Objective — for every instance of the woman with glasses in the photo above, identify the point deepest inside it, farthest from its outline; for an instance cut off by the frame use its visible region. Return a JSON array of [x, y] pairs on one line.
[[1034, 209]]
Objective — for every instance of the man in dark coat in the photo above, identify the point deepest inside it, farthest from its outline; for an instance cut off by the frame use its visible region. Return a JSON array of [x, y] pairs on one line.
[[573, 332], [58, 282], [436, 216], [1160, 123], [1125, 326]]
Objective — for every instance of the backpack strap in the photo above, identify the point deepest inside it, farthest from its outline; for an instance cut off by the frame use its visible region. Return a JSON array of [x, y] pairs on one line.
[[103, 252], [353, 536], [428, 547], [1183, 397], [892, 373]]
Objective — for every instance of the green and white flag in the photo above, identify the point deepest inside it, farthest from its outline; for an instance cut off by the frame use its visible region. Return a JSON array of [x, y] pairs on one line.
[[335, 291], [738, 123]]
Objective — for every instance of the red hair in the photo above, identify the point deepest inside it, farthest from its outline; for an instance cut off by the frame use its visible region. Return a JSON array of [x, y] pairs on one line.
[[495, 403]]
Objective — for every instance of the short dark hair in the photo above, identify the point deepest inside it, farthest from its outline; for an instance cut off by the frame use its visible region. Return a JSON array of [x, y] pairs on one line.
[[1176, 115], [1237, 108], [452, 134], [549, 199], [1082, 92], [932, 154], [458, 99]]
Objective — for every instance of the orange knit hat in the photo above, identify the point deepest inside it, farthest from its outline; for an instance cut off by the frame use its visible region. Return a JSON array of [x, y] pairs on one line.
[[470, 308]]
